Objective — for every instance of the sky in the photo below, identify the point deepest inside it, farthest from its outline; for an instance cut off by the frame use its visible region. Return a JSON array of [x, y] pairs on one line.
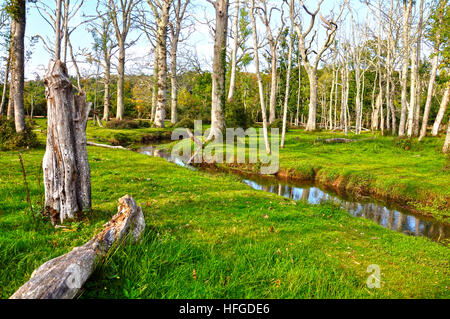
[[139, 57]]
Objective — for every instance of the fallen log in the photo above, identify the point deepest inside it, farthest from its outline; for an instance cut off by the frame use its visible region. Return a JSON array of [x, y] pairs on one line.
[[334, 140], [64, 276], [107, 146]]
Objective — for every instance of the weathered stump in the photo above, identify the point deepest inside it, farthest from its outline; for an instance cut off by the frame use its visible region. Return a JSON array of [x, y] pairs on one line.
[[64, 276], [67, 177]]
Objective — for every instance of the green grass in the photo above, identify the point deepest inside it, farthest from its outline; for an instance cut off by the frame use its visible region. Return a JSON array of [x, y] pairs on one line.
[[124, 137], [411, 172], [241, 243]]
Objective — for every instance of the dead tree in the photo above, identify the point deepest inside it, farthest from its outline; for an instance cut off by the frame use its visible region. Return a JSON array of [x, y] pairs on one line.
[[306, 52], [63, 277], [67, 177], [175, 29], [219, 68], [121, 18]]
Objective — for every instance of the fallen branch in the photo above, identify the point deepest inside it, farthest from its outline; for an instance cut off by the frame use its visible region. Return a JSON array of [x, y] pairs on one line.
[[64, 276], [107, 146]]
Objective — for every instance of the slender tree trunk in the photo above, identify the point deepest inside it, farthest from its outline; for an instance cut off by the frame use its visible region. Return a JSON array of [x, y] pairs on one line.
[[407, 5], [442, 109], [286, 96], [18, 64], [419, 81], [234, 52], [66, 167], [446, 147], [155, 85], [5, 85], [66, 29], [273, 86], [58, 30], [258, 76], [426, 112], [413, 95], [219, 69], [107, 95], [161, 104], [312, 75], [174, 83], [120, 82]]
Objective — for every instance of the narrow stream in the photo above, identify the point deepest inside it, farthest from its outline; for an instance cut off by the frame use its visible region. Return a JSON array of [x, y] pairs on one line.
[[383, 214]]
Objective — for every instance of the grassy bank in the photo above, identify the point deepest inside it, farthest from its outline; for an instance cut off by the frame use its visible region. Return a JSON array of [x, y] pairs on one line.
[[413, 174], [241, 243], [123, 137]]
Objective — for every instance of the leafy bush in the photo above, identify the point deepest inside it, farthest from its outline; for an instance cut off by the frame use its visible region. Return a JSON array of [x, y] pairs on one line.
[[236, 116], [10, 139], [185, 123], [127, 124], [278, 123]]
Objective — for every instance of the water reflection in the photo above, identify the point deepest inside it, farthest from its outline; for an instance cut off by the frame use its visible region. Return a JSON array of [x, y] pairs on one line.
[[391, 218], [387, 217]]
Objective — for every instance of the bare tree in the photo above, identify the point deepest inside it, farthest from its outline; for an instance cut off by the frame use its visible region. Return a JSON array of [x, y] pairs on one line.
[[105, 43], [288, 74], [219, 68], [441, 112], [121, 18], [258, 76], [407, 7], [306, 52], [234, 51], [265, 15], [434, 67], [18, 12], [176, 26]]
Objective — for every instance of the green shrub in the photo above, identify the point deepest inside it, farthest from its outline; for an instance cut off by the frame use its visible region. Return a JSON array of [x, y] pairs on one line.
[[122, 124], [237, 117], [11, 140], [278, 123], [185, 123]]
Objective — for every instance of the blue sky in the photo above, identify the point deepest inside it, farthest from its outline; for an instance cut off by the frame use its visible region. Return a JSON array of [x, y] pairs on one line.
[[140, 55]]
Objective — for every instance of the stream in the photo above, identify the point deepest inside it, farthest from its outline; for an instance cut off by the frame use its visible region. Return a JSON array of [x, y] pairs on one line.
[[382, 213]]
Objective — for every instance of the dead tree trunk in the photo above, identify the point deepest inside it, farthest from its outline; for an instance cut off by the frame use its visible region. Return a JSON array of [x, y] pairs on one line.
[[67, 175], [442, 109], [219, 69], [64, 276], [447, 140]]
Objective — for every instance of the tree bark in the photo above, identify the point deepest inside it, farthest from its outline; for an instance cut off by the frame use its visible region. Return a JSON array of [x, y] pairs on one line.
[[404, 80], [5, 85], [120, 82], [258, 76], [234, 52], [18, 63], [219, 69], [442, 109], [288, 81], [63, 277], [66, 167], [426, 112], [447, 140], [107, 94], [162, 23]]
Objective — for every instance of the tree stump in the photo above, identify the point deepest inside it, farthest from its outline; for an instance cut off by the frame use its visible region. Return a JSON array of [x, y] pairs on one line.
[[63, 277], [67, 177]]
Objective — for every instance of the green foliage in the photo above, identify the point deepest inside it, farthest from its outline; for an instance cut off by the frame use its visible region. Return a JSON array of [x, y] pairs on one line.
[[127, 124], [237, 116], [185, 123], [278, 123], [11, 140]]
